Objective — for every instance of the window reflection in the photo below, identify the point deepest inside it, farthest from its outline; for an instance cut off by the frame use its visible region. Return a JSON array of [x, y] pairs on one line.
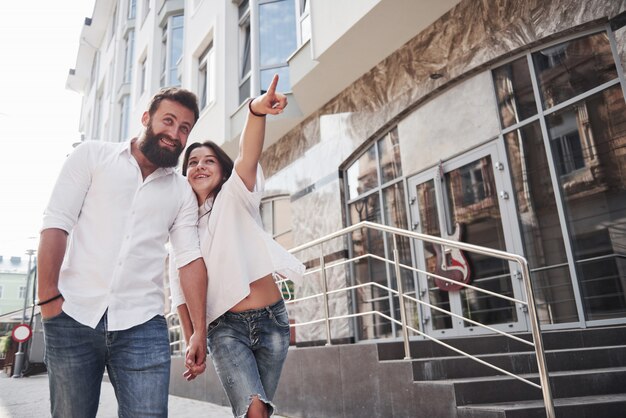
[[362, 175], [595, 197], [429, 219], [473, 215], [574, 67], [389, 154], [514, 92], [395, 215], [364, 241], [369, 201]]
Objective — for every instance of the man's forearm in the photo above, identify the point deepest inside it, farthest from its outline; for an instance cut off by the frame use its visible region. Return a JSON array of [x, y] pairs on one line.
[[52, 244], [193, 281], [185, 322]]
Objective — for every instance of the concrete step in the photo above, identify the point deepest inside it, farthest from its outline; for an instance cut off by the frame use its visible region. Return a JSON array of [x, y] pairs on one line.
[[518, 363], [485, 344], [601, 406], [567, 384]]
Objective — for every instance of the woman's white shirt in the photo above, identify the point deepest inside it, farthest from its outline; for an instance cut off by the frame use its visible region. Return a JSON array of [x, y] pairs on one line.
[[236, 249]]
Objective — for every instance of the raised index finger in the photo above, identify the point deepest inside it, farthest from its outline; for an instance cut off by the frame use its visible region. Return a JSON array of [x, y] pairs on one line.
[[271, 90]]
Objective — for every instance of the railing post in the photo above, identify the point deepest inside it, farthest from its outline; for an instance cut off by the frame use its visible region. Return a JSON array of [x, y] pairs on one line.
[[325, 291], [405, 331], [539, 351]]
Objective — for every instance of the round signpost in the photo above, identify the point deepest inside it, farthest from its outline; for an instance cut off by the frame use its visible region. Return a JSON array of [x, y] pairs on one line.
[[21, 333]]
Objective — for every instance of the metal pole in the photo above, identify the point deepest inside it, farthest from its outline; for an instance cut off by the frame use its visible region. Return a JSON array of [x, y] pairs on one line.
[[539, 351], [19, 355], [405, 331], [325, 290]]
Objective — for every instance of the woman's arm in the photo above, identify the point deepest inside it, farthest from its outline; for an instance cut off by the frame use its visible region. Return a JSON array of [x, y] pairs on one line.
[[253, 134]]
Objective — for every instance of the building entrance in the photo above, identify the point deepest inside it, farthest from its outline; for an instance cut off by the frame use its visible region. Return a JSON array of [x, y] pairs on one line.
[[466, 199]]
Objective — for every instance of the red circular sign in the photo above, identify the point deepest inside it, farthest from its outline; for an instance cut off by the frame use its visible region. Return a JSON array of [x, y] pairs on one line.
[[21, 333]]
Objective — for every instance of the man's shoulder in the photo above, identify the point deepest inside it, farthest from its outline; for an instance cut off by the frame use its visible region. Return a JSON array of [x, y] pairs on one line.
[[102, 146]]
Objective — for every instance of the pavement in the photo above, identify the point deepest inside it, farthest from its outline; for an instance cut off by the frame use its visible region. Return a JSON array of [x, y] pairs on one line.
[[30, 397]]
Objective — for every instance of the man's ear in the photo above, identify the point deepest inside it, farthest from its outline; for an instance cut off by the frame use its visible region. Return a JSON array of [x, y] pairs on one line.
[[145, 118]]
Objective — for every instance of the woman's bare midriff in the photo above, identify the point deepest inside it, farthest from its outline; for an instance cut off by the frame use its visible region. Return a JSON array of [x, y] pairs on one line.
[[263, 292]]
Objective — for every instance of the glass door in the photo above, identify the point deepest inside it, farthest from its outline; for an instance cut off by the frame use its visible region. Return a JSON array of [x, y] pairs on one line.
[[467, 199]]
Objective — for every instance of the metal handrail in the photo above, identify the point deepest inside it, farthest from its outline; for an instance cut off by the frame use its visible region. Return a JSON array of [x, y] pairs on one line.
[[537, 343], [519, 260]]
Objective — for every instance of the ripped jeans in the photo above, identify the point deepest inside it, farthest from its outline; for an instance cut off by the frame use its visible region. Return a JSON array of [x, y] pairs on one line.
[[248, 350]]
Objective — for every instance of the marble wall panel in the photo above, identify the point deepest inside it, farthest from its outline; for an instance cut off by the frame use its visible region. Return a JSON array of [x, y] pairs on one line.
[[313, 309], [457, 120]]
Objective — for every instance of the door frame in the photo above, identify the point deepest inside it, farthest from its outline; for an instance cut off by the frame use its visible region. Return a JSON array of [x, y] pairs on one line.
[[512, 237]]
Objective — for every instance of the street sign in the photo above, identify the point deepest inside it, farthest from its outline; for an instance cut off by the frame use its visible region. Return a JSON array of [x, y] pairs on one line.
[[21, 333]]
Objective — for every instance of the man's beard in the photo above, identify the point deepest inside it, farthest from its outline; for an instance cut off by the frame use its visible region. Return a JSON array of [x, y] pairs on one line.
[[155, 153]]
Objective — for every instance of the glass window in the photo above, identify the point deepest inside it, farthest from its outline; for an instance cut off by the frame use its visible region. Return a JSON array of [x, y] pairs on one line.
[[514, 92], [132, 9], [206, 77], [369, 241], [473, 216], [582, 158], [172, 50], [176, 49], [540, 225], [305, 21], [245, 56], [429, 220], [362, 175], [595, 196], [128, 56], [277, 220], [277, 39], [143, 78], [370, 201], [389, 155], [573, 67], [21, 292]]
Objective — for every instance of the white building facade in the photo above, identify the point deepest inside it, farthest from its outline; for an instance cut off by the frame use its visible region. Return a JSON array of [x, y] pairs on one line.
[[502, 124]]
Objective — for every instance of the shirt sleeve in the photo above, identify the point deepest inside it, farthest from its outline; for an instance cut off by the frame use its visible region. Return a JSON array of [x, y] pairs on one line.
[[70, 190], [250, 200], [176, 292], [184, 231]]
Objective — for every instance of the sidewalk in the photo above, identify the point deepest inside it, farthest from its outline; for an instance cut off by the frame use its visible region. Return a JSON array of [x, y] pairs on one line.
[[30, 397]]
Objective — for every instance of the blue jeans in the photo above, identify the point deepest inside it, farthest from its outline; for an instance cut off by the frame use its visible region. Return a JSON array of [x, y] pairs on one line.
[[137, 360], [248, 350]]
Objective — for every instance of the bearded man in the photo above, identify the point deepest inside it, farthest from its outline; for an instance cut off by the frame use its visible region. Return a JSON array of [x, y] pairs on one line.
[[101, 264]]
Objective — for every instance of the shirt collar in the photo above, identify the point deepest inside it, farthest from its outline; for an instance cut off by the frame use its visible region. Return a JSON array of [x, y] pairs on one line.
[[127, 149]]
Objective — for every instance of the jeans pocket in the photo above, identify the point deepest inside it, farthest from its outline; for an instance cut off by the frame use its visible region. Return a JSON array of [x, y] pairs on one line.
[[280, 316], [52, 318], [214, 325]]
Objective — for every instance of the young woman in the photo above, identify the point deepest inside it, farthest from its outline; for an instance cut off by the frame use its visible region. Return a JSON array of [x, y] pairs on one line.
[[248, 327]]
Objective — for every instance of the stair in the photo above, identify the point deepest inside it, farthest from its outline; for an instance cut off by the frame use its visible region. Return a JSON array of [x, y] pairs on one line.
[[587, 374]]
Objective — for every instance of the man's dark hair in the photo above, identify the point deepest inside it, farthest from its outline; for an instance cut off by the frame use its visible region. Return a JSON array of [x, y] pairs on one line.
[[175, 94]]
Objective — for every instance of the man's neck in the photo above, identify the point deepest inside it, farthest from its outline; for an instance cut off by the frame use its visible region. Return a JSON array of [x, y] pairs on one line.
[[145, 165]]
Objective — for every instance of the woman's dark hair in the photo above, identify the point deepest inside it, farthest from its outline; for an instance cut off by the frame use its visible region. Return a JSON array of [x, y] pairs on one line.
[[224, 160]]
